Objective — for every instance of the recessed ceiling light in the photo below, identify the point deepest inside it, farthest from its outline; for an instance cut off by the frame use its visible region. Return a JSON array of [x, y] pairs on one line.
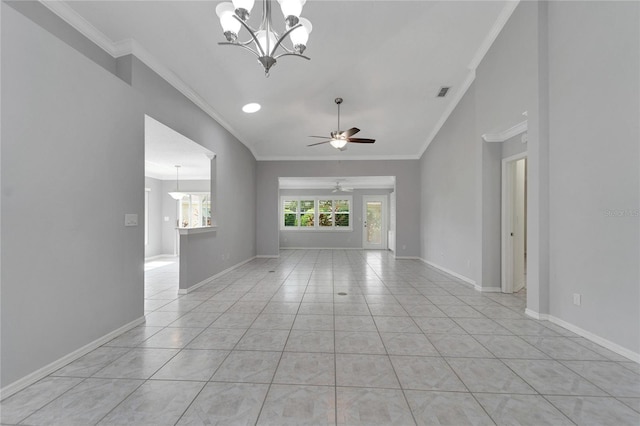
[[251, 108]]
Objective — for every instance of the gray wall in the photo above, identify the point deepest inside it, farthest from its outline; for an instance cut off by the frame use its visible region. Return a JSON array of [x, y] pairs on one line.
[[505, 87], [448, 174], [578, 81], [407, 175], [594, 166], [233, 178], [72, 166], [331, 239], [76, 133]]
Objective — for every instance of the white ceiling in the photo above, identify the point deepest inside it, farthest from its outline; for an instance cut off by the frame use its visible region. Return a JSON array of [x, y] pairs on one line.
[[164, 148], [356, 182], [387, 59]]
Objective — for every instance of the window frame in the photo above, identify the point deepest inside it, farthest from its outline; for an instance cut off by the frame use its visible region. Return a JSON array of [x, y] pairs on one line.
[[316, 215], [206, 198]]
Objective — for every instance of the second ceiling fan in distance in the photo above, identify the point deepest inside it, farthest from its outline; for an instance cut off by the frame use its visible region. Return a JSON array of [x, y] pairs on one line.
[[339, 139]]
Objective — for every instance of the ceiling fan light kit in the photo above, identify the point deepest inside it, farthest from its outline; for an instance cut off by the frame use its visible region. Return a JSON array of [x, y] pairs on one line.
[[339, 139], [265, 42]]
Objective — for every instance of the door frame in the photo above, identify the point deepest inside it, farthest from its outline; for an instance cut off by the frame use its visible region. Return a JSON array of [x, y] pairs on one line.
[[507, 202], [384, 199]]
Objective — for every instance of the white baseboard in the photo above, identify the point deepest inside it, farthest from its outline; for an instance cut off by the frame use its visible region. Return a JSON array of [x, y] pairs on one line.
[[450, 272], [320, 248], [218, 275], [613, 347], [536, 315], [407, 258], [267, 256], [160, 256], [43, 372], [488, 289]]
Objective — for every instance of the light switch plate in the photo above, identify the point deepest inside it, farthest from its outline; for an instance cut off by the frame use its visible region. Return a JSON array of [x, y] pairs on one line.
[[130, 219]]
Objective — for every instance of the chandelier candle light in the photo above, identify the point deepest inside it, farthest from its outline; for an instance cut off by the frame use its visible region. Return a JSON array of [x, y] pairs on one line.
[[264, 41]]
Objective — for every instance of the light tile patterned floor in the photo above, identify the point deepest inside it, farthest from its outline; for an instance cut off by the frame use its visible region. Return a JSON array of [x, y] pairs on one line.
[[273, 343]]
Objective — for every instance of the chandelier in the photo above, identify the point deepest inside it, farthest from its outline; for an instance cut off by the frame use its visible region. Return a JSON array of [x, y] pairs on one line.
[[265, 43]]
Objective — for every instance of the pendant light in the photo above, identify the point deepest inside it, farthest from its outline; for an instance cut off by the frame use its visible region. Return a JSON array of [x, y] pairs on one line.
[[177, 195]]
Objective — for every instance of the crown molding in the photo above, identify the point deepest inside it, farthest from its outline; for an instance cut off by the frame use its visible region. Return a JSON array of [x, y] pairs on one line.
[[447, 112], [84, 27], [508, 133], [132, 47], [337, 158], [501, 21], [499, 24], [126, 47]]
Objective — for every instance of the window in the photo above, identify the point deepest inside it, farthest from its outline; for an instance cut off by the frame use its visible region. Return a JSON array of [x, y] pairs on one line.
[[315, 213], [195, 210]]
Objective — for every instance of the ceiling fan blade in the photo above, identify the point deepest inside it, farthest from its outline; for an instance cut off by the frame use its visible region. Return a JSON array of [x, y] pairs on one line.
[[347, 189], [321, 137], [360, 140], [352, 131], [318, 143], [335, 190]]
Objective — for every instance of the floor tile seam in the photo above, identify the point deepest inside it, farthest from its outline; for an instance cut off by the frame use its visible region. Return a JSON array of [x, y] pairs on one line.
[[557, 408], [50, 401], [591, 381], [578, 375], [637, 410], [395, 373], [277, 364], [123, 399]]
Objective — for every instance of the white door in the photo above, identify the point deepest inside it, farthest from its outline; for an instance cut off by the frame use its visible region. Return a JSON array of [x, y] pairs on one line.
[[374, 232], [514, 224]]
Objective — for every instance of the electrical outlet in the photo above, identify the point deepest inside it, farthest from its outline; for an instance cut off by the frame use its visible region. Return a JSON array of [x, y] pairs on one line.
[[577, 299]]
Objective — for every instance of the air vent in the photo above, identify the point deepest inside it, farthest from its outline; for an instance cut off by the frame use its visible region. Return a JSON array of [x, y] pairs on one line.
[[443, 92]]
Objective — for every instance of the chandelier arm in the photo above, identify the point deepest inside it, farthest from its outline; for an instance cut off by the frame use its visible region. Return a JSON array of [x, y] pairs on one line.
[[286, 33], [253, 35], [292, 54], [244, 46]]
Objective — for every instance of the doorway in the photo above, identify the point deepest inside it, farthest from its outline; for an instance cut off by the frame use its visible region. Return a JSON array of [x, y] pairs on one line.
[[514, 223], [374, 231]]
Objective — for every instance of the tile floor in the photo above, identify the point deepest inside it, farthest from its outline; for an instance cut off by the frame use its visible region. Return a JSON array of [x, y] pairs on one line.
[[276, 342]]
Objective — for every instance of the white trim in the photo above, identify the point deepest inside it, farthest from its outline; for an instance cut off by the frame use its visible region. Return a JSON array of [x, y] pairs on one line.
[[452, 273], [506, 251], [213, 277], [488, 289], [338, 157], [608, 344], [316, 213], [499, 24], [384, 222], [501, 21], [507, 133], [321, 248], [614, 347], [536, 315], [406, 257], [198, 230], [84, 27], [130, 46], [458, 94], [160, 256], [267, 256], [30, 379]]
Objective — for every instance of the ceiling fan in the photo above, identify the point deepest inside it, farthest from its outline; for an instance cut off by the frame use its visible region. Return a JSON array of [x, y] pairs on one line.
[[339, 139], [340, 188]]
